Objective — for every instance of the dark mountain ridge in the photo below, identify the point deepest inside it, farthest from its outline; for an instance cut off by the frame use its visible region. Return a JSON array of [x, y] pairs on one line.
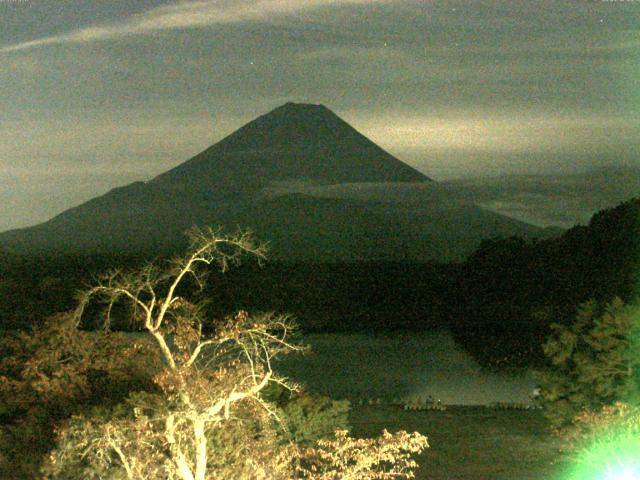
[[293, 142], [513, 289], [227, 184], [325, 229]]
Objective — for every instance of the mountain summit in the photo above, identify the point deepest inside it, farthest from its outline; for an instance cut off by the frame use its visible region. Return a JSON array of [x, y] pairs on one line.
[[279, 175], [296, 141]]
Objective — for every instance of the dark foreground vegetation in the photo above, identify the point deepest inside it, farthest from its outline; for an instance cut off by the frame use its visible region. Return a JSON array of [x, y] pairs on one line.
[[189, 398], [499, 303], [79, 400], [473, 443]]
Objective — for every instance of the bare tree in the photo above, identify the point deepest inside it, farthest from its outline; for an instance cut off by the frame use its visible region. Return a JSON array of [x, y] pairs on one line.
[[207, 380], [204, 376]]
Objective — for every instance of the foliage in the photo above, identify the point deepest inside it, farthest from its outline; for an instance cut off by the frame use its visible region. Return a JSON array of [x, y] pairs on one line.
[[51, 372], [248, 446], [509, 292], [589, 362], [499, 303], [633, 356], [342, 458], [589, 427], [209, 415], [310, 418], [605, 441]]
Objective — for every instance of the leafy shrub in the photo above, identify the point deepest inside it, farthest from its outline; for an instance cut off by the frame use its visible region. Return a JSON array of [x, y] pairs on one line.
[[310, 418], [384, 457], [53, 371], [589, 427]]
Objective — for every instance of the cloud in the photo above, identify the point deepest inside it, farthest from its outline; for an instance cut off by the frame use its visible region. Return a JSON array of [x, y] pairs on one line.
[[191, 14], [509, 133]]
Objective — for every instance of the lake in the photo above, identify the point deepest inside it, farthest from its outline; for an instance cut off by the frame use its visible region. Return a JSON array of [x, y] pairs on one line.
[[400, 364]]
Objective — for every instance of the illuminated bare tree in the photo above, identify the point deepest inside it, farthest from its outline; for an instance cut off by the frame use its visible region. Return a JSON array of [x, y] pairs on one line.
[[211, 376], [204, 376]]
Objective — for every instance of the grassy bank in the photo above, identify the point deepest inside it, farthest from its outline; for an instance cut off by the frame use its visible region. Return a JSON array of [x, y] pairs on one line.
[[471, 443]]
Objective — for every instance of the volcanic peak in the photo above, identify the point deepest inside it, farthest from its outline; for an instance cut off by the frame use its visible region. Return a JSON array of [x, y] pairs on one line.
[[296, 141]]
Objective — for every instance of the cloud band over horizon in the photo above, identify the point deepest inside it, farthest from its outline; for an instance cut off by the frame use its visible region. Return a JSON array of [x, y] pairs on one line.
[[454, 88], [190, 14]]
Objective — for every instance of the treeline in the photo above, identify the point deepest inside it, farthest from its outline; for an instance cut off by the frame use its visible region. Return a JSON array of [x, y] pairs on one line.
[[322, 297], [35, 287], [499, 303], [341, 297], [510, 290]]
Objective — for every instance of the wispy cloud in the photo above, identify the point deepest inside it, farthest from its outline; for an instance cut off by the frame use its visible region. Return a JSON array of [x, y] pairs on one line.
[[509, 133], [190, 14]]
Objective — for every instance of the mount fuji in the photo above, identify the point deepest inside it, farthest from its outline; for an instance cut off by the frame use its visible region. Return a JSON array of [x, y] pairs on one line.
[[302, 179]]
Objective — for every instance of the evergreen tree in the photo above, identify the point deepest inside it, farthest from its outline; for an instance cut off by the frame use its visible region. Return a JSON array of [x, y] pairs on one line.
[[590, 362]]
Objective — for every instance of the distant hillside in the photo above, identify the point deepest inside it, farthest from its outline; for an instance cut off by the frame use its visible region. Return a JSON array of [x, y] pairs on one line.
[[235, 183], [346, 230], [560, 201], [545, 200], [515, 289]]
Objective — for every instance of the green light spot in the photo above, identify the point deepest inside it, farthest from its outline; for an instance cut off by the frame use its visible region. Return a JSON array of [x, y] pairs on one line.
[[617, 458], [623, 473]]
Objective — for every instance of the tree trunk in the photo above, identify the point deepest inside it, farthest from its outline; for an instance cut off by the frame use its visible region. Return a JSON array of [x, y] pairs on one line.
[[182, 466], [201, 449]]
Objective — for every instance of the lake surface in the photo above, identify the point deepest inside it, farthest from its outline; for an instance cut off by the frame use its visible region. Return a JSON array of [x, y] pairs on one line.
[[399, 364]]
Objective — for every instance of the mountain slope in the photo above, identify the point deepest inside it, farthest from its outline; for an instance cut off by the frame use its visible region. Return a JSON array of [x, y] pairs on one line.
[[136, 218], [305, 228], [293, 142], [562, 200], [514, 290], [229, 185]]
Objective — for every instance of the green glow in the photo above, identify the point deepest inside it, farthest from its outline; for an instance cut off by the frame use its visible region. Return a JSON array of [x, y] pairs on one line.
[[618, 458], [623, 473]]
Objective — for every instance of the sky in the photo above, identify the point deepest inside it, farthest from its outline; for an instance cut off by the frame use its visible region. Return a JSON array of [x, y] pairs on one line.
[[98, 94]]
